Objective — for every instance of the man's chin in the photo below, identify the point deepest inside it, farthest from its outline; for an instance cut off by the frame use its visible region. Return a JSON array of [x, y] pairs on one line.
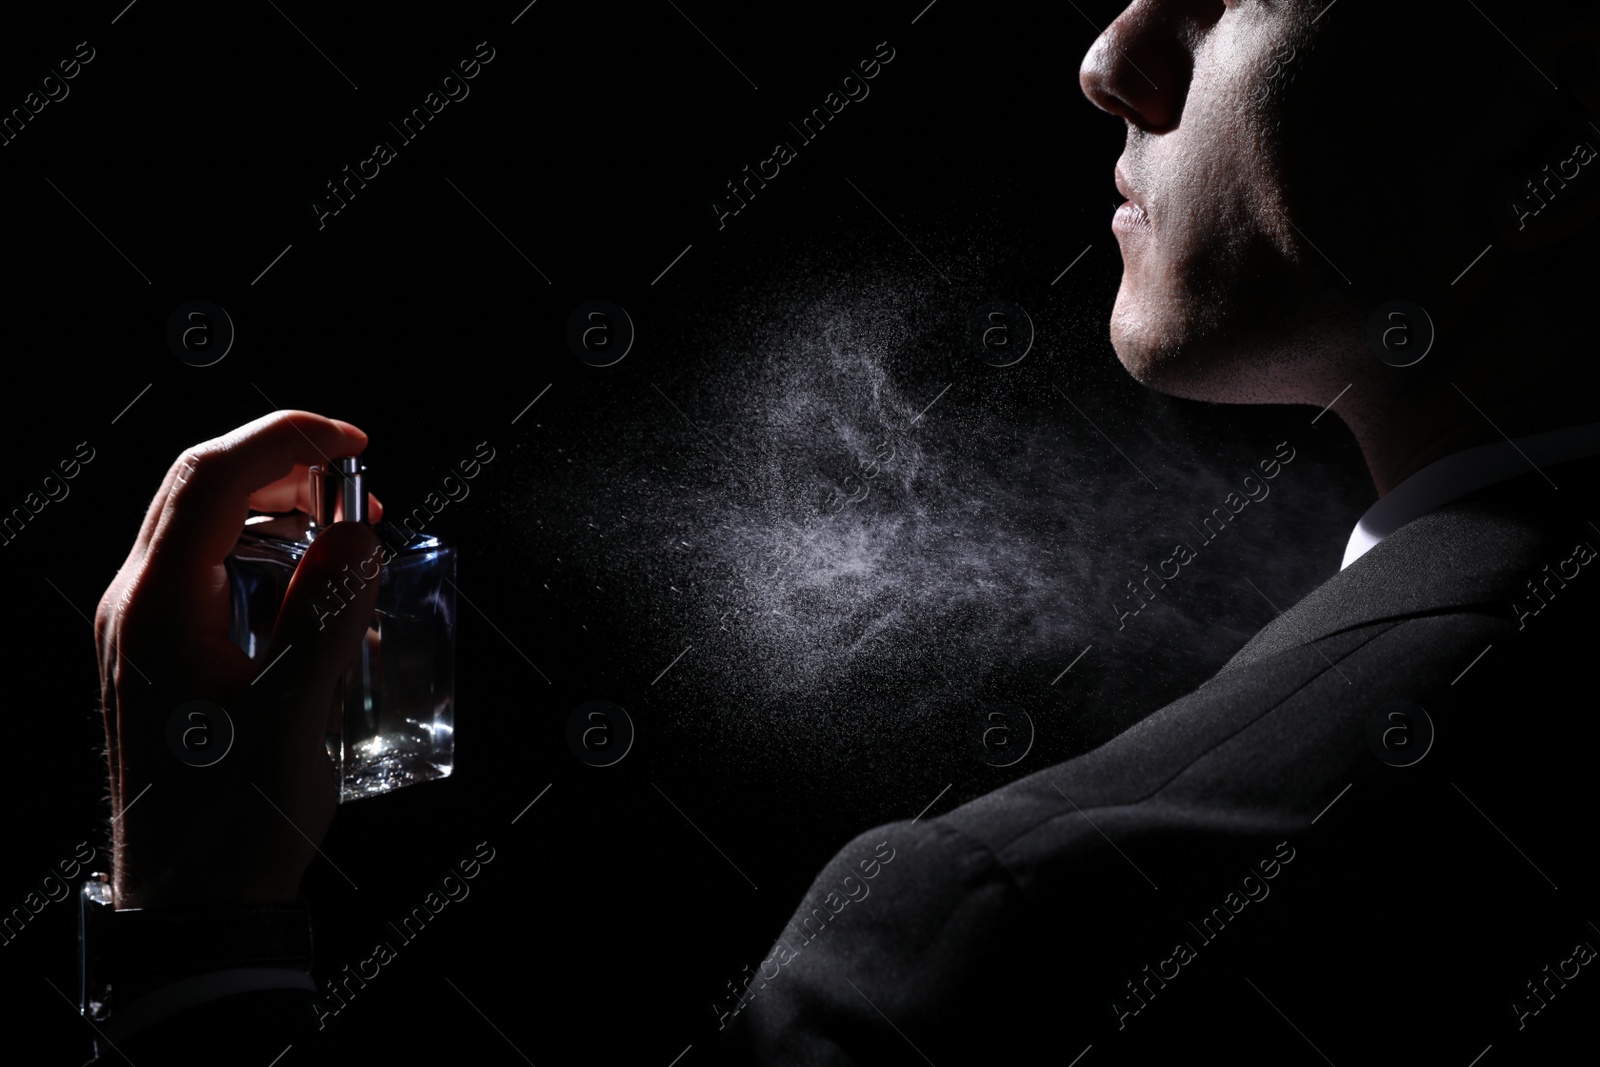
[[1151, 355], [1218, 370], [1204, 335], [1169, 361]]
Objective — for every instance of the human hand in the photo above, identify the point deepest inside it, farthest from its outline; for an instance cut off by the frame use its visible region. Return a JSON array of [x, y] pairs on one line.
[[244, 829]]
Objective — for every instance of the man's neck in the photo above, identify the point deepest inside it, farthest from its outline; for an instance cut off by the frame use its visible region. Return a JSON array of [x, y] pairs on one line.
[[1504, 368], [1450, 415]]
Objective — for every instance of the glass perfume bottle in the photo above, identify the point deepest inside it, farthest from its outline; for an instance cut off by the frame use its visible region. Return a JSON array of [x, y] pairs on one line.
[[395, 705]]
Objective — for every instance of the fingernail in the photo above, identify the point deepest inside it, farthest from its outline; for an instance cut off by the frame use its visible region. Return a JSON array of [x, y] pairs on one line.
[[349, 428]]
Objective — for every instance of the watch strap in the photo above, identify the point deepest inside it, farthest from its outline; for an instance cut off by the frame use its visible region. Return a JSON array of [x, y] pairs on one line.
[[154, 946], [125, 954]]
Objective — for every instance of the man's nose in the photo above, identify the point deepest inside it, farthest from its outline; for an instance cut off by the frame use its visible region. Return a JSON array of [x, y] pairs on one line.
[[1139, 68]]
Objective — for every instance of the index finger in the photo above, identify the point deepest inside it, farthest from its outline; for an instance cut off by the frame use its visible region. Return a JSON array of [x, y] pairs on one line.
[[292, 492], [209, 494]]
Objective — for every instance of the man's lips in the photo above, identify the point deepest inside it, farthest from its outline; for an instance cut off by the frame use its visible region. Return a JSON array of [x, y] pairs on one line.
[[1123, 185], [1132, 214]]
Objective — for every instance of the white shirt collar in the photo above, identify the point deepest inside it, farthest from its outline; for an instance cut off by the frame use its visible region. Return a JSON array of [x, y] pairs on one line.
[[1464, 472]]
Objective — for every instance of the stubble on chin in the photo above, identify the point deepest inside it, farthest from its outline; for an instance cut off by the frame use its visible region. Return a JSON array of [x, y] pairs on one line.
[[1244, 325], [1230, 359], [1153, 333]]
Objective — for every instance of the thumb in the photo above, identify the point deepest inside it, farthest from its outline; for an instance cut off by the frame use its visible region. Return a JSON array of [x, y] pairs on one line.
[[326, 612]]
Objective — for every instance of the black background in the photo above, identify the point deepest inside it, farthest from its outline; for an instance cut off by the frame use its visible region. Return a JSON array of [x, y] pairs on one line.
[[594, 141]]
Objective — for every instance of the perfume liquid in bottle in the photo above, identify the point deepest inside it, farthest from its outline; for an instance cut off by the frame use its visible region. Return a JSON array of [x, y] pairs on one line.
[[396, 701]]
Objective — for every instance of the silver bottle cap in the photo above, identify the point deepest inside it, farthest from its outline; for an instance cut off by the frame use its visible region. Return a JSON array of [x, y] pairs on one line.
[[338, 492]]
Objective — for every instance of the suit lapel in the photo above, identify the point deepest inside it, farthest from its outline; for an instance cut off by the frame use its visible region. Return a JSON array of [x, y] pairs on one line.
[[1478, 553]]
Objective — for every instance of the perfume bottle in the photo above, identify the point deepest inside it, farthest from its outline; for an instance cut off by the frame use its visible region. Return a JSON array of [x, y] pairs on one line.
[[394, 711]]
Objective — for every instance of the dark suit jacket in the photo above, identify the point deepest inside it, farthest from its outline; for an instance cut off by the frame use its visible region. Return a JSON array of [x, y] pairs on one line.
[[1187, 890], [1241, 874]]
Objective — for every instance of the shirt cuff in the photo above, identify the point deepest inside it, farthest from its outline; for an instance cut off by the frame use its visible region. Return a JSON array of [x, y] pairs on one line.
[[168, 1000]]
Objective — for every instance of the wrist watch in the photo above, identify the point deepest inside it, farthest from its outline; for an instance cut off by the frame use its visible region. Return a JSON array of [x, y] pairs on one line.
[[123, 955]]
